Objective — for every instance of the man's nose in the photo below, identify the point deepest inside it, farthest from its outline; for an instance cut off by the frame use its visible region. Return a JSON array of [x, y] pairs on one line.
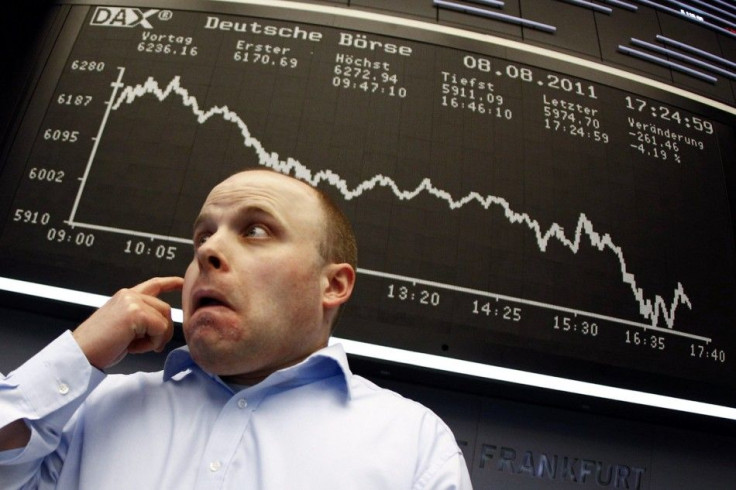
[[211, 254]]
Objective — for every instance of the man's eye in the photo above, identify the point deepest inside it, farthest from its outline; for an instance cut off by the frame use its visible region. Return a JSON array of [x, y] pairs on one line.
[[256, 231], [200, 238]]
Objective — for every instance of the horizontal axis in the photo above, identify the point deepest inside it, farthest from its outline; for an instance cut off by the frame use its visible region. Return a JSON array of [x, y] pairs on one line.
[[121, 231], [438, 285], [540, 304]]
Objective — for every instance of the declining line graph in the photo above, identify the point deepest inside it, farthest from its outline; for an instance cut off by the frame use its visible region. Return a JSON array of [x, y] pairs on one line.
[[655, 310]]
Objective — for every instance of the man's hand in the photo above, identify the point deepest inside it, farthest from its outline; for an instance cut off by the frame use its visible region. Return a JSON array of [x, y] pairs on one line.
[[134, 320]]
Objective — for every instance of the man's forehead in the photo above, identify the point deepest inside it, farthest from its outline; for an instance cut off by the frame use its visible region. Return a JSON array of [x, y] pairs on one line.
[[263, 189], [261, 181]]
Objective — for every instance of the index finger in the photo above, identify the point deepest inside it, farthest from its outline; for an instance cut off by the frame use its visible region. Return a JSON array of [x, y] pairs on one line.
[[158, 285]]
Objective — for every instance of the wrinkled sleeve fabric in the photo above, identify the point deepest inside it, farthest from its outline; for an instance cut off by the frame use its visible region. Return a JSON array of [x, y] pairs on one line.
[[444, 466], [451, 474], [45, 392]]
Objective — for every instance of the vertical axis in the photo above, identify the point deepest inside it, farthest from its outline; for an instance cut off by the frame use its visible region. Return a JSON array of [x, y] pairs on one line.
[[115, 85]]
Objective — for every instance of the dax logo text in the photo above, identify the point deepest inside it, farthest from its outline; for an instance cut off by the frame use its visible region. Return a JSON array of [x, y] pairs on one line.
[[122, 17]]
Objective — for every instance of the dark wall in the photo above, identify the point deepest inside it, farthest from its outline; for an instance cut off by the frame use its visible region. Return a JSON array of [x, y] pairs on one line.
[[20, 26]]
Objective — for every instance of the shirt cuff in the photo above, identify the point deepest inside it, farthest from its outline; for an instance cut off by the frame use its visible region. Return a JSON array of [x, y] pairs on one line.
[[58, 376]]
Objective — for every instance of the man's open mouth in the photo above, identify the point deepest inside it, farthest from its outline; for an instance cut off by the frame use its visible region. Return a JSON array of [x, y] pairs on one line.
[[205, 300]]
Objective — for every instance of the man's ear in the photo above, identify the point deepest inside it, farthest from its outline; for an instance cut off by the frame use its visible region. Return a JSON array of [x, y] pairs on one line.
[[339, 280]]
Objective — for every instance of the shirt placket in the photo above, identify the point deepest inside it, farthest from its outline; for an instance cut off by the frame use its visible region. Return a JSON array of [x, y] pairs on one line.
[[224, 439]]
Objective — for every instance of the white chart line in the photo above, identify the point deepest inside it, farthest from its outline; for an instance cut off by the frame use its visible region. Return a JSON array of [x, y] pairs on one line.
[[651, 309], [438, 285], [654, 309]]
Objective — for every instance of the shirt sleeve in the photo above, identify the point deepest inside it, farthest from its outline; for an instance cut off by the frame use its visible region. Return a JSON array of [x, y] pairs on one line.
[[444, 464], [45, 393], [452, 474]]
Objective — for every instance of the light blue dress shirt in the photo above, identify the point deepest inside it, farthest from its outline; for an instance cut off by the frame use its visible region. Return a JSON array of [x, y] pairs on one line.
[[313, 425]]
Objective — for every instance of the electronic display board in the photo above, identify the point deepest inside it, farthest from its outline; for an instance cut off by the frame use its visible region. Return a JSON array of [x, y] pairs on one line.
[[513, 208]]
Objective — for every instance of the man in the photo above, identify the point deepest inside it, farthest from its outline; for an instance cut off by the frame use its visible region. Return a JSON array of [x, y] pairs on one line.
[[255, 400]]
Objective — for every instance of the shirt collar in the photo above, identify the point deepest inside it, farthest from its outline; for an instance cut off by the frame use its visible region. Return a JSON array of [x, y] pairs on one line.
[[322, 364]]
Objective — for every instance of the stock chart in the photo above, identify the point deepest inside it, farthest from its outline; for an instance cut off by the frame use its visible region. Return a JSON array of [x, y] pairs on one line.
[[502, 207]]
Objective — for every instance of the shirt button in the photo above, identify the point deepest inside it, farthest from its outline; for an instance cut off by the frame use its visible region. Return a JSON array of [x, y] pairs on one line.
[[242, 403], [63, 388], [215, 465]]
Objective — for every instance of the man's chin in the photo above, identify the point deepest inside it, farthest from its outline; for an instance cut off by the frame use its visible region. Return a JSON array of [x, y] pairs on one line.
[[213, 339], [207, 356]]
